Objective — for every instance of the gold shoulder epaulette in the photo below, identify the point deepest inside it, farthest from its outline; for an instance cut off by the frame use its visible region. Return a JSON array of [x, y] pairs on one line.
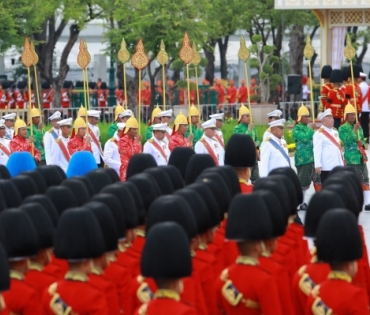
[[57, 140], [53, 288], [224, 274], [302, 270], [335, 129], [142, 309], [320, 129], [50, 130], [150, 140], [267, 139]]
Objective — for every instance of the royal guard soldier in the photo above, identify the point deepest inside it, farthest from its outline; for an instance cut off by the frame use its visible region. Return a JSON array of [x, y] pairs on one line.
[[18, 94], [9, 125], [155, 119], [74, 293], [303, 159], [22, 143], [242, 92], [157, 146], [245, 126], [146, 94], [197, 132], [3, 87], [120, 95], [10, 96], [178, 138], [352, 137], [326, 87], [26, 96], [21, 243], [4, 144], [339, 244], [271, 116], [4, 279], [243, 286], [38, 132], [102, 95], [59, 154], [220, 91], [111, 153], [117, 119], [231, 93], [47, 95], [79, 141], [93, 117], [335, 99], [66, 94], [353, 87], [51, 135], [166, 117], [128, 145], [209, 145], [240, 153]]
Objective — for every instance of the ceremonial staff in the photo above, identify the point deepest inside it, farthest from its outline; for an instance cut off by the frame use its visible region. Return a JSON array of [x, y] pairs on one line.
[[195, 61], [308, 53], [28, 60], [35, 61], [162, 59], [244, 55], [83, 60], [139, 60], [186, 55], [124, 56]]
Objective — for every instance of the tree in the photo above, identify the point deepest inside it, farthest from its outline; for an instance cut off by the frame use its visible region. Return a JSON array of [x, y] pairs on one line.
[[360, 38]]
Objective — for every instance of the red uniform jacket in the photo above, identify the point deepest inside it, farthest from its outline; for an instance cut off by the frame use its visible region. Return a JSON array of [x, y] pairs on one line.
[[76, 144], [18, 97], [336, 101], [127, 147], [47, 98], [65, 100], [221, 94], [10, 99], [21, 298], [205, 256], [324, 93], [102, 97], [27, 99], [231, 94], [337, 296], [244, 187], [243, 94], [285, 255], [245, 289], [18, 144], [177, 140], [349, 95], [120, 96], [215, 250], [3, 101], [129, 260], [38, 279], [57, 268]]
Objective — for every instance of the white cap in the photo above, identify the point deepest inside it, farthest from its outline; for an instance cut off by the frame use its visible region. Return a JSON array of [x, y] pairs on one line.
[[211, 123], [324, 114], [127, 112], [2, 123], [275, 123], [56, 115], [65, 122], [121, 126], [94, 113], [363, 75], [219, 116], [275, 113], [165, 113], [10, 116], [162, 127]]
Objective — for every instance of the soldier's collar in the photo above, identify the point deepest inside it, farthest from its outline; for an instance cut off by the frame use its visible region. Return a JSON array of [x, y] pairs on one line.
[[35, 266], [140, 233], [340, 275], [16, 275], [266, 253], [97, 271], [202, 246], [167, 294], [75, 276], [247, 260], [243, 181]]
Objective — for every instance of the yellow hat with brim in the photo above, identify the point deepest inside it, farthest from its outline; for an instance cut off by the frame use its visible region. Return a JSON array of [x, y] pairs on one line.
[[155, 113], [82, 111], [349, 110], [19, 123], [302, 111], [131, 123], [35, 113], [180, 120], [193, 111], [118, 110], [243, 110], [79, 123]]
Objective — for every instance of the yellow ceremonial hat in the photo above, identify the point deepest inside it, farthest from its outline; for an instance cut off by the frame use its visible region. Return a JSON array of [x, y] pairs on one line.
[[19, 123], [118, 110], [82, 111], [193, 111], [243, 110], [349, 110], [35, 112], [79, 123], [180, 120], [131, 123], [302, 111], [155, 113]]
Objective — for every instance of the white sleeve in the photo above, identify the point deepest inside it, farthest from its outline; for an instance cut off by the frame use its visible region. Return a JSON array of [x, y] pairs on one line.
[[54, 153], [199, 148], [108, 155], [317, 148], [147, 148], [47, 147], [265, 158]]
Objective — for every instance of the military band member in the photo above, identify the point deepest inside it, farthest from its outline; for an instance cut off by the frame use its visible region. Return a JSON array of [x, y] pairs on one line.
[[326, 146], [38, 132], [4, 144], [111, 154], [274, 152], [155, 119], [113, 127], [157, 146], [9, 125], [166, 117], [326, 87], [79, 140], [246, 127], [51, 135], [194, 117], [178, 138], [59, 149], [274, 115], [218, 132], [353, 87], [209, 145], [336, 99], [352, 136], [93, 117]]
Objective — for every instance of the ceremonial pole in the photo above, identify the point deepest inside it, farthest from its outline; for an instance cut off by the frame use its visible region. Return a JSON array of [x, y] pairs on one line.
[[35, 61], [162, 59], [124, 56], [244, 55], [195, 61], [186, 55], [308, 53], [139, 60]]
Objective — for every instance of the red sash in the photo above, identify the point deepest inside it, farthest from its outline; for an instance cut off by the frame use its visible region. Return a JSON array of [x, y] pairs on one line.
[[93, 137], [4, 149], [332, 139], [210, 151], [63, 149], [365, 97], [167, 136], [218, 138], [159, 148]]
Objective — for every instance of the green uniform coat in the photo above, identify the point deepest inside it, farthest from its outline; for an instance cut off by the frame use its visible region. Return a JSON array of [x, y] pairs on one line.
[[112, 129], [197, 132], [302, 136], [38, 136], [349, 138], [148, 132]]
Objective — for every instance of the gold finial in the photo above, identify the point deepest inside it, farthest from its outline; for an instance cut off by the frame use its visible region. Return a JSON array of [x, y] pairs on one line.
[[123, 53], [308, 49], [35, 56], [27, 55], [186, 52], [162, 56], [139, 59], [349, 51], [243, 52], [196, 58], [83, 57]]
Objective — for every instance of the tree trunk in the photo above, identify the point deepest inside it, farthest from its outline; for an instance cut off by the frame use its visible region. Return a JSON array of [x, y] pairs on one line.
[[296, 45], [210, 68], [222, 46]]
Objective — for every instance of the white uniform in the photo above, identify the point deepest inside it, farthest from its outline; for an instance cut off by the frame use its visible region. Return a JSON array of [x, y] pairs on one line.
[[48, 141], [111, 153], [326, 154], [215, 146], [9, 133], [266, 134], [364, 89], [220, 134], [271, 157], [94, 147], [4, 157], [149, 148], [56, 155]]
